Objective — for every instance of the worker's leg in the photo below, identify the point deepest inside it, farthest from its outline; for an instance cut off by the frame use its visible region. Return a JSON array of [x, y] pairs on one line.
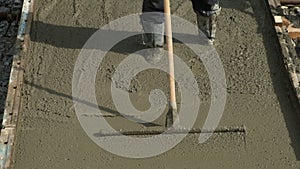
[[203, 25], [153, 35], [152, 21], [158, 34], [147, 35], [212, 27]]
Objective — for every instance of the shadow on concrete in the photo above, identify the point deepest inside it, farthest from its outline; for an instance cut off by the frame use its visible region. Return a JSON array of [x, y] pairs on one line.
[[113, 112], [281, 84], [279, 75], [76, 37]]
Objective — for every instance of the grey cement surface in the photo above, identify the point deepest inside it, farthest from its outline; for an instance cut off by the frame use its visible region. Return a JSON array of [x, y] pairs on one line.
[[259, 94]]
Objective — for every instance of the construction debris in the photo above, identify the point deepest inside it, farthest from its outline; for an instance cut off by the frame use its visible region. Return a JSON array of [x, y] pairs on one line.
[[287, 17], [293, 32]]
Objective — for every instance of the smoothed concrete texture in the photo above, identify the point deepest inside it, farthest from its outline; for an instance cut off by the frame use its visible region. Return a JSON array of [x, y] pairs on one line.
[[49, 134]]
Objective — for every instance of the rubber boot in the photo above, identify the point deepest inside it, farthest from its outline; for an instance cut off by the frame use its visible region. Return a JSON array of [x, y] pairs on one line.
[[203, 25], [153, 35], [147, 35], [158, 34], [212, 28], [208, 25]]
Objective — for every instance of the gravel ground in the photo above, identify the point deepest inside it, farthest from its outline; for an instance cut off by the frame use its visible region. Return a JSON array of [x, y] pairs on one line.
[[8, 33]]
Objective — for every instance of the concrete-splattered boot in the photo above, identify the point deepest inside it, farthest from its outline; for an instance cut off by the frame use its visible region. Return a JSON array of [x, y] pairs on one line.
[[203, 26], [147, 36], [208, 26], [212, 28], [153, 37], [158, 42], [158, 34]]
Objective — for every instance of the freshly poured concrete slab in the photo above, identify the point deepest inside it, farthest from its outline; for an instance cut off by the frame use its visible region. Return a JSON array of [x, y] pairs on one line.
[[50, 136]]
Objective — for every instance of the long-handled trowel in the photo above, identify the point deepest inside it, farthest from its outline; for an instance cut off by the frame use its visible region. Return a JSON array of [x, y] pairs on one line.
[[172, 115]]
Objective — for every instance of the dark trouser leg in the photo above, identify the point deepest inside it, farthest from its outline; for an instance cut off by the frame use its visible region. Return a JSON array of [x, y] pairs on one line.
[[208, 25], [203, 25]]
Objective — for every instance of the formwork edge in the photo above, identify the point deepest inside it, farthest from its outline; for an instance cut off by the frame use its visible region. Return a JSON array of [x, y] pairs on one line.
[[13, 100]]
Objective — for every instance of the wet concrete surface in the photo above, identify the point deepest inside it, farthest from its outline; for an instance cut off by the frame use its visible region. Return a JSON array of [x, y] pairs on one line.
[[259, 93]]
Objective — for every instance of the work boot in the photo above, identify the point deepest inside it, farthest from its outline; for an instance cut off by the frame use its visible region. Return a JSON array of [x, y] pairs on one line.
[[203, 25], [158, 34], [153, 55], [147, 36], [153, 32], [208, 26], [211, 41], [212, 28]]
